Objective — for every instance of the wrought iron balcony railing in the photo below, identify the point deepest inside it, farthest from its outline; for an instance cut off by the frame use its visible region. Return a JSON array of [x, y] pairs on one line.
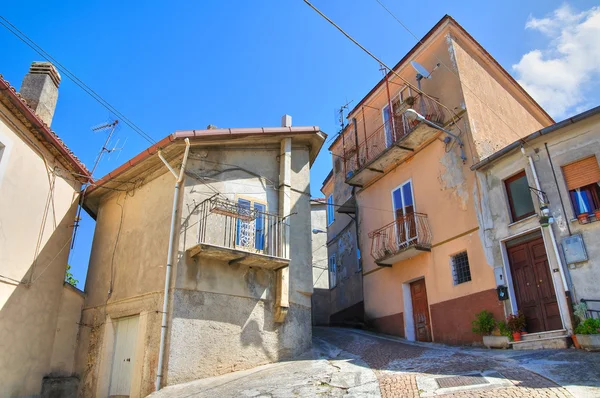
[[242, 226], [401, 239], [389, 133]]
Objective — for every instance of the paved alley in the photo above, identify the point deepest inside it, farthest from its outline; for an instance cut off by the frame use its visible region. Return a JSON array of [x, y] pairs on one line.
[[349, 363]]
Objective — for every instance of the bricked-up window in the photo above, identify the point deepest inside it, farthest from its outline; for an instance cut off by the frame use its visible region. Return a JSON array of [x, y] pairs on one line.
[[332, 272], [460, 268]]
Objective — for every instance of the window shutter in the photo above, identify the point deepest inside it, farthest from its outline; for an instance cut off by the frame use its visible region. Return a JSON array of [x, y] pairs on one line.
[[581, 173]]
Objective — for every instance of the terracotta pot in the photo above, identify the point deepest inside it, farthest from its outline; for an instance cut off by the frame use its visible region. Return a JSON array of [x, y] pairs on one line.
[[516, 336], [583, 218], [575, 342]]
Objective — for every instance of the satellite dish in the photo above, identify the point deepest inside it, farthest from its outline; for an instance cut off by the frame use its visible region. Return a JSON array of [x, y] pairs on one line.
[[420, 70]]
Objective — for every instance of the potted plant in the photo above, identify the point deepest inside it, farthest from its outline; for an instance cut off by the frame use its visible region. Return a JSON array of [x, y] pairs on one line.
[[486, 326], [544, 221], [516, 323], [588, 334], [583, 218]]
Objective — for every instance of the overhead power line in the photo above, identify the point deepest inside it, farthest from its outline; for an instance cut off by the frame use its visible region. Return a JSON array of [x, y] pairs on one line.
[[409, 84], [87, 89], [449, 69]]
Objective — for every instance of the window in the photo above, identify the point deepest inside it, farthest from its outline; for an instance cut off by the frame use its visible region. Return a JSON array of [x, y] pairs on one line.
[[251, 233], [330, 211], [582, 178], [460, 268], [519, 196], [404, 210], [332, 272]]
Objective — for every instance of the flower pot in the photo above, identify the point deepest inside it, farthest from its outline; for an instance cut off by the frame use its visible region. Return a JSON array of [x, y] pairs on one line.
[[583, 218], [590, 342], [495, 341], [575, 341], [516, 336], [597, 214]]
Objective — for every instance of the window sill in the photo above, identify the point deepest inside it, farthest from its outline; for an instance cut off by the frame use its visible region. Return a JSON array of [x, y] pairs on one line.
[[523, 220]]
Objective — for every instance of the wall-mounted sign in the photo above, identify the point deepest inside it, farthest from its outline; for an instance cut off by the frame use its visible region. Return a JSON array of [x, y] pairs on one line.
[[574, 249]]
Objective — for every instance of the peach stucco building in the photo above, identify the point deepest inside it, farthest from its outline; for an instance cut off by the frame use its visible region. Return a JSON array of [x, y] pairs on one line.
[[425, 273]]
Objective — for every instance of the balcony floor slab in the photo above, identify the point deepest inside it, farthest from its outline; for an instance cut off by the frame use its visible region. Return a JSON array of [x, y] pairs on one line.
[[403, 148], [405, 254], [237, 256]]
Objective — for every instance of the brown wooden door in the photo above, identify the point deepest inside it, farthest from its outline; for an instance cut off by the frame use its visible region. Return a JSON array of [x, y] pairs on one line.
[[418, 293], [534, 289]]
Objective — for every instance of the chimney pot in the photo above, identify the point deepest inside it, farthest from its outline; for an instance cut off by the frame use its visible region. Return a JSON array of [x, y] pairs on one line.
[[286, 121], [40, 89]]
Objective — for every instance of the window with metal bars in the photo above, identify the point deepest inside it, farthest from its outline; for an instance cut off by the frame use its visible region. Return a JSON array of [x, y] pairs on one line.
[[460, 268]]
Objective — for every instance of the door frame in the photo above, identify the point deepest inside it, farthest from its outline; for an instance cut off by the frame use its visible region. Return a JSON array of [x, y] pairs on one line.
[[414, 204], [410, 333], [107, 348], [508, 275]]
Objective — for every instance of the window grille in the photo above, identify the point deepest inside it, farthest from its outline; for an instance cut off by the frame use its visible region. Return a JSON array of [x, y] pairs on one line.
[[460, 268]]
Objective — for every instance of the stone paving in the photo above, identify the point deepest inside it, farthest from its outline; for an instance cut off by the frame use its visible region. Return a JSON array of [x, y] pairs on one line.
[[352, 363]]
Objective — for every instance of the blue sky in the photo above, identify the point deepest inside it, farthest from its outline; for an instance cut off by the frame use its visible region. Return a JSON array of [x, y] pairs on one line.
[[184, 65]]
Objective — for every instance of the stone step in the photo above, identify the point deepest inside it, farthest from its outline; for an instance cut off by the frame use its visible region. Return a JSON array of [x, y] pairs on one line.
[[543, 335], [542, 343]]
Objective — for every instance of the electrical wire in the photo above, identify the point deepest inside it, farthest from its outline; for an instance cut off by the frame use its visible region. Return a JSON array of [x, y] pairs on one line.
[[87, 89], [520, 138], [409, 84]]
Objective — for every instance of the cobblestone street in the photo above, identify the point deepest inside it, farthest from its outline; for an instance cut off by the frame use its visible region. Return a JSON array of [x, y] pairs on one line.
[[349, 363]]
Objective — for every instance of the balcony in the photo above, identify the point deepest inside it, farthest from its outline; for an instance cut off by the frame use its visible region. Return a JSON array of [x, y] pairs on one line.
[[392, 142], [228, 231], [401, 239]]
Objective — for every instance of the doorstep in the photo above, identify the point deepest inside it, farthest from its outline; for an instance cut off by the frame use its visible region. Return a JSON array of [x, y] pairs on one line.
[[554, 339]]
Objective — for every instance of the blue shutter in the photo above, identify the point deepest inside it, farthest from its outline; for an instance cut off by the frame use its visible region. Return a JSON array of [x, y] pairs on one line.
[[259, 239]]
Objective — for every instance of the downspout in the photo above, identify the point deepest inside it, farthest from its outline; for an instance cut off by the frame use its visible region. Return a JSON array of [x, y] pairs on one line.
[[163, 330], [553, 239], [282, 276]]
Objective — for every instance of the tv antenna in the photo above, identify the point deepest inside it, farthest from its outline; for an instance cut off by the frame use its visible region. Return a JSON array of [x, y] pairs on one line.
[[105, 149], [422, 72], [111, 126]]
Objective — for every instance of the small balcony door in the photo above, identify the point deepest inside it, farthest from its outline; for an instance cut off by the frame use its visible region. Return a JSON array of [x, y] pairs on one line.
[[404, 209], [388, 126]]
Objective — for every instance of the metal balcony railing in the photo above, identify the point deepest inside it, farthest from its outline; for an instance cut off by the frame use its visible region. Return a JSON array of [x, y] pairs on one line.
[[390, 132], [409, 231], [231, 225]]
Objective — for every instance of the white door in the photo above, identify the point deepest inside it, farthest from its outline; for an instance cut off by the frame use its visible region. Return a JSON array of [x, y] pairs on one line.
[[123, 356]]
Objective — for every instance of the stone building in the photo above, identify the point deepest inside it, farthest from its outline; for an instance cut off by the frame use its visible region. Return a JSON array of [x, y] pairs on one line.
[[345, 267], [320, 296], [239, 282], [407, 150], [40, 180], [538, 219]]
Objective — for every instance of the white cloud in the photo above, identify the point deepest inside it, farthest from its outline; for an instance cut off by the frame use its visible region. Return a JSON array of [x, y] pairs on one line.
[[561, 75]]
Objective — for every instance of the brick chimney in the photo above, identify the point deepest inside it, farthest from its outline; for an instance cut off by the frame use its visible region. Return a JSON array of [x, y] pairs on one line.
[[40, 89]]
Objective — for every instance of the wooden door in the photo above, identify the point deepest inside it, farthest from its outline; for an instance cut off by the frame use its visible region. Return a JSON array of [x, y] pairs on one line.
[[418, 294], [534, 288], [123, 356]]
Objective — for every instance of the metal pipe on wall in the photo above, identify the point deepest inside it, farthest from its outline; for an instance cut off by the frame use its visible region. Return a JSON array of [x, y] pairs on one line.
[[163, 330], [554, 246]]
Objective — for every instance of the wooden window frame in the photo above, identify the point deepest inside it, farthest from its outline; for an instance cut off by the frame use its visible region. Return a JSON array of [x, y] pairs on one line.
[[511, 207]]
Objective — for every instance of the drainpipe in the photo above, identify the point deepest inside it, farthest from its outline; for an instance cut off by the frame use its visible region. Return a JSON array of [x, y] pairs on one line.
[[553, 239], [163, 330], [282, 288]]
